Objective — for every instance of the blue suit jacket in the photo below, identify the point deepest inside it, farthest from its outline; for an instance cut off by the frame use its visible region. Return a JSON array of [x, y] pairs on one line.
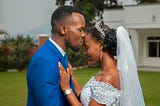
[[43, 77]]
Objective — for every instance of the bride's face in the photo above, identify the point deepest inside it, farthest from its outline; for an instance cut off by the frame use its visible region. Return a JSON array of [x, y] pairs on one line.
[[92, 49]]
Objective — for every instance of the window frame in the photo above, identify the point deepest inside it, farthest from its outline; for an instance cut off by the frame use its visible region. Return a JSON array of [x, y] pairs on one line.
[[154, 39]]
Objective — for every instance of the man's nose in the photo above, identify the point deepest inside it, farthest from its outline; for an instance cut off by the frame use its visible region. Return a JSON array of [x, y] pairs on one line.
[[83, 34]]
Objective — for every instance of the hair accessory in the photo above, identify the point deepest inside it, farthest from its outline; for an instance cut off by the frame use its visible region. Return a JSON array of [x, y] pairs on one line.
[[100, 27]]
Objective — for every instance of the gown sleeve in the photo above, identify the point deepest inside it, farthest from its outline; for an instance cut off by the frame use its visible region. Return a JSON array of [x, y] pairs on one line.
[[105, 93]]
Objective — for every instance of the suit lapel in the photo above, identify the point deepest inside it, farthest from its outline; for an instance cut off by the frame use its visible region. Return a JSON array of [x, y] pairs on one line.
[[53, 48], [62, 59]]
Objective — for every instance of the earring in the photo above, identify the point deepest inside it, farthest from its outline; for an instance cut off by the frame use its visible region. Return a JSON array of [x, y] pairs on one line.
[[100, 55]]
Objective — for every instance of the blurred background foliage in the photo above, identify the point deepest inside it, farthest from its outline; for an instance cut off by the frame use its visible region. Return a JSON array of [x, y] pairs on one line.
[[14, 52]]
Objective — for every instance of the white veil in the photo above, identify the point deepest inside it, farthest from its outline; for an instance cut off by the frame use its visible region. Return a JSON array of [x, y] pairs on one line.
[[126, 64]]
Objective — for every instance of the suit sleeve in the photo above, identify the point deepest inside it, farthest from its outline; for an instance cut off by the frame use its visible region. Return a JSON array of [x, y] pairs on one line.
[[45, 80]]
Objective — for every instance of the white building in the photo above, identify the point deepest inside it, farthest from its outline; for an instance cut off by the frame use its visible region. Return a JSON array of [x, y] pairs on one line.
[[127, 2], [143, 23]]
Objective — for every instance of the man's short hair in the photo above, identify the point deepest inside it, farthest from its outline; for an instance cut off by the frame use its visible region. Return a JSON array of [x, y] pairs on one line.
[[61, 14]]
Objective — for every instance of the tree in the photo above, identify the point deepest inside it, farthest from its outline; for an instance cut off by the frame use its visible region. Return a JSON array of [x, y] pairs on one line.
[[14, 52], [4, 33], [90, 8]]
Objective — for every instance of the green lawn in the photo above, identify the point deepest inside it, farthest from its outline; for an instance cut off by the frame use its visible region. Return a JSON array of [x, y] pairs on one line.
[[13, 89]]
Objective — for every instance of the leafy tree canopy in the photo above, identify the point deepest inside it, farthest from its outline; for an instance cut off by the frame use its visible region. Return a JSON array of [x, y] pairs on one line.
[[91, 8]]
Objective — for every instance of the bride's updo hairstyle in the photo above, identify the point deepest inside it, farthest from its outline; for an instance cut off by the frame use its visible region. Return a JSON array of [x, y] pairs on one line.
[[102, 32]]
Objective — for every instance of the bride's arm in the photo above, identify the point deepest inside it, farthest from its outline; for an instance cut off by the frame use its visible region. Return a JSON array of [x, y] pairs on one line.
[[73, 100], [77, 86], [94, 103], [64, 84]]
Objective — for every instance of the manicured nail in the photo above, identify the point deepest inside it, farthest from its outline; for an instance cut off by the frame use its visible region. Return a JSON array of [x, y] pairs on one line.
[[59, 64], [67, 69]]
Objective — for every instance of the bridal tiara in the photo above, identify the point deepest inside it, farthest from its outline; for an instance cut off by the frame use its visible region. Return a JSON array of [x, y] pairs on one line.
[[100, 27]]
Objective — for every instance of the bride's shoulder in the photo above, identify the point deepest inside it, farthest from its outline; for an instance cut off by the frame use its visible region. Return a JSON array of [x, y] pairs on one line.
[[111, 79], [108, 78]]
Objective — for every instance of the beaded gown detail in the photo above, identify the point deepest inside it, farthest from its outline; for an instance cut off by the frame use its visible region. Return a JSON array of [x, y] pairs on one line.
[[101, 92]]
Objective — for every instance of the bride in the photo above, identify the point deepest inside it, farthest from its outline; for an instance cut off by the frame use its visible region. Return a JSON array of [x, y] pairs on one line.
[[117, 82]]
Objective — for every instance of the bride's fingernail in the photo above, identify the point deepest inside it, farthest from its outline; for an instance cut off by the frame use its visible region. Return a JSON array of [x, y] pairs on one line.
[[67, 70], [59, 64]]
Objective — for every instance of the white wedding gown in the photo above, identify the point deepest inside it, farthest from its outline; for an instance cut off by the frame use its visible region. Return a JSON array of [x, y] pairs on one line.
[[101, 92]]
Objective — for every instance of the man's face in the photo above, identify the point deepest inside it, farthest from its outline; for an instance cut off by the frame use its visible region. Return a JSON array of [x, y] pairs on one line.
[[74, 37]]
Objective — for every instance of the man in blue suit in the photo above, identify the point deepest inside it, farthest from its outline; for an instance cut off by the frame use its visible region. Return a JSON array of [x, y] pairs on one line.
[[43, 74]]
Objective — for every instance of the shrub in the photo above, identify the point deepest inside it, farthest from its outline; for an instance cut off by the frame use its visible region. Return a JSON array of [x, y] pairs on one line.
[[14, 52], [77, 58]]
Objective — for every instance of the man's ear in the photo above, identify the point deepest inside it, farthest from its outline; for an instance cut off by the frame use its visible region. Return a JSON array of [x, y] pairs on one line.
[[63, 30]]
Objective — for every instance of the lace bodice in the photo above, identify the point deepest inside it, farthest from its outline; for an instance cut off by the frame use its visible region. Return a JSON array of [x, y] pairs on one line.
[[101, 92]]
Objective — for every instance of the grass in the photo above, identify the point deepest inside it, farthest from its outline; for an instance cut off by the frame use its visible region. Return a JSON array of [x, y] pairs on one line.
[[150, 82], [13, 89]]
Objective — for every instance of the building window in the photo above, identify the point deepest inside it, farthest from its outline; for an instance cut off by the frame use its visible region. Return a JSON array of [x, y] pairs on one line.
[[154, 46]]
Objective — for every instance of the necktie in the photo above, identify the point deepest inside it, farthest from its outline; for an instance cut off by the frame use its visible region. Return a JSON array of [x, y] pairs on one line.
[[66, 59], [66, 63]]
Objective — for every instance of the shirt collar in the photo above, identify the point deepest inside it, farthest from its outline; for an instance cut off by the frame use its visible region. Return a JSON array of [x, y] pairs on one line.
[[57, 46]]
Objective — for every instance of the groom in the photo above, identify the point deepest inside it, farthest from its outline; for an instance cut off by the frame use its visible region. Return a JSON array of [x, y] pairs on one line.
[[43, 75]]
